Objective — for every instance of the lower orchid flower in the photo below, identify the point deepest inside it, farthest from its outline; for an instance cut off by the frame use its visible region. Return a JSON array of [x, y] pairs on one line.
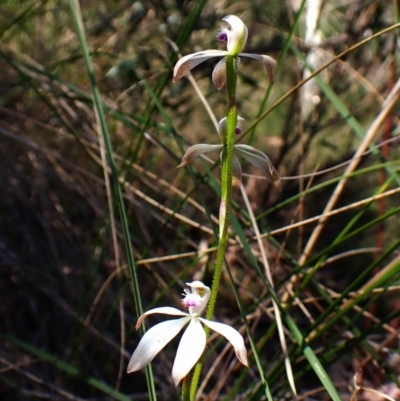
[[254, 156], [193, 340]]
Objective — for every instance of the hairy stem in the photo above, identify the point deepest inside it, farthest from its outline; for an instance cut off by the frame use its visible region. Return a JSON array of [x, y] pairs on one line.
[[226, 197], [226, 181]]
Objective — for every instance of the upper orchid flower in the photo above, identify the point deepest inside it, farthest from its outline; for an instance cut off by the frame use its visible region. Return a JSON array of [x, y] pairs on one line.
[[254, 156], [236, 38], [193, 339]]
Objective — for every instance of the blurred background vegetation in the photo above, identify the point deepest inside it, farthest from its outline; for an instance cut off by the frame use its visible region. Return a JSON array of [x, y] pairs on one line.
[[67, 313]]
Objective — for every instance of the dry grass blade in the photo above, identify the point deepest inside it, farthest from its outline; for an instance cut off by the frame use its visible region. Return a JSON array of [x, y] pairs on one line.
[[371, 133], [279, 324]]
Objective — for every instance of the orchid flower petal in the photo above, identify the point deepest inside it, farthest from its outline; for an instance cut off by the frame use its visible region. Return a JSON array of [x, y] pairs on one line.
[[165, 310], [197, 150], [237, 37], [187, 63], [189, 351], [223, 126], [219, 74], [236, 173], [250, 149], [232, 335], [262, 162], [154, 341], [269, 63]]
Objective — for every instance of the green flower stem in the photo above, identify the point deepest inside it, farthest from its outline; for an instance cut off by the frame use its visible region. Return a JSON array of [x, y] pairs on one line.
[[186, 389], [226, 198], [226, 180]]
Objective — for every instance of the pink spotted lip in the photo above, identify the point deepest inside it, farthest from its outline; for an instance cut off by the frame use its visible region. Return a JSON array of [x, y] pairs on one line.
[[191, 300]]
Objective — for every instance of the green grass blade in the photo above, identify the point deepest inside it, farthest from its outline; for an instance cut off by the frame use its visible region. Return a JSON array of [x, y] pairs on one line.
[[77, 17], [71, 370]]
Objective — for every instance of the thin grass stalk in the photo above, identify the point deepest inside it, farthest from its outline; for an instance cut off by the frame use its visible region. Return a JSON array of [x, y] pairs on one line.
[[67, 368], [309, 274], [317, 187], [290, 324], [267, 388], [315, 73], [77, 17], [153, 103], [383, 276], [300, 340], [278, 318], [354, 233], [282, 56]]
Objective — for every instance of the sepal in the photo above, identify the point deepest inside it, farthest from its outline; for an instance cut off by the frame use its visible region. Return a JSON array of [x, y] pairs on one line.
[[262, 162], [197, 150]]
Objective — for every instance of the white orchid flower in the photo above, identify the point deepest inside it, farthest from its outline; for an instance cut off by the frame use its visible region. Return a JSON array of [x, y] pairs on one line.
[[254, 156], [236, 38], [193, 339]]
